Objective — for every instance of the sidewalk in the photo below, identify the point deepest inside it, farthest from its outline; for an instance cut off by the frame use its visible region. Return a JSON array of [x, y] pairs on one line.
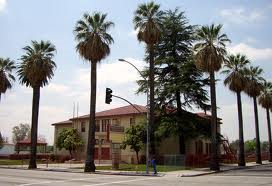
[[223, 168], [75, 168]]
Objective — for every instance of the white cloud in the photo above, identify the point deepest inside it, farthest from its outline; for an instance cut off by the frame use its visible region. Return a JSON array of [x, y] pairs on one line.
[[56, 88], [133, 33], [119, 76], [251, 40], [251, 52], [3, 4], [229, 116], [115, 73], [241, 15], [56, 103]]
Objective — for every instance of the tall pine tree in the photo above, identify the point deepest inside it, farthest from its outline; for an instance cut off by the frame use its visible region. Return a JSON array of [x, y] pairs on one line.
[[178, 83]]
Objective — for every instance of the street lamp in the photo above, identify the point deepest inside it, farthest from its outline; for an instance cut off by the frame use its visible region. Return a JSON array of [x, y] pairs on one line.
[[147, 114]]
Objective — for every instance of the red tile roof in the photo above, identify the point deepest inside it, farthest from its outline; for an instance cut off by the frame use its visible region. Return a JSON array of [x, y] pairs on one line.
[[28, 141], [126, 110], [63, 122], [207, 116]]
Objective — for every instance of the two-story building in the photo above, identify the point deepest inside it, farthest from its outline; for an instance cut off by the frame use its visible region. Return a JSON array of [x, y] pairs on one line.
[[110, 130]]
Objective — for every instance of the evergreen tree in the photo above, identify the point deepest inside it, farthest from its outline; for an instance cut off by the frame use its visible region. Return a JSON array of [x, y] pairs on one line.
[[178, 83]]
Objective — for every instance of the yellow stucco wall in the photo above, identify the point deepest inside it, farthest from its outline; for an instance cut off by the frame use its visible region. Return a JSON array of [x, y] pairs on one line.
[[115, 137], [167, 146]]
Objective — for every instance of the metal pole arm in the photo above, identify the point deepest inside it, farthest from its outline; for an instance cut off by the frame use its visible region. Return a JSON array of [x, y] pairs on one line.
[[123, 60], [128, 102]]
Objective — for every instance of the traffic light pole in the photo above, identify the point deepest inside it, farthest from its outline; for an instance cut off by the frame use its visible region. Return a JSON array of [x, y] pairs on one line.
[[147, 131], [147, 114]]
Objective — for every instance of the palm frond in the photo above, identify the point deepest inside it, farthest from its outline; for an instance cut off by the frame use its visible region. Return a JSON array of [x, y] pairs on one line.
[[6, 77], [37, 67], [265, 98], [210, 48], [147, 19], [254, 81], [233, 69], [91, 33]]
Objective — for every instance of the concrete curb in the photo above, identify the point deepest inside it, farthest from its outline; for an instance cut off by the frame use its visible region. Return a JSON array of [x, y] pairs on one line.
[[220, 171], [129, 174], [97, 172], [134, 173]]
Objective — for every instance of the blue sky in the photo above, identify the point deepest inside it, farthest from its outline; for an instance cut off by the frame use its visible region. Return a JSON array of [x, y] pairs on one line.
[[247, 23]]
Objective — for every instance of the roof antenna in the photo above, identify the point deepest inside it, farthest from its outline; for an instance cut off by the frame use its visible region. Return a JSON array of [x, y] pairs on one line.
[[73, 109], [77, 109]]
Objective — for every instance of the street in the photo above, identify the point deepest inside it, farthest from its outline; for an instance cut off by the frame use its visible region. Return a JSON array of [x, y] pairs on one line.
[[259, 175]]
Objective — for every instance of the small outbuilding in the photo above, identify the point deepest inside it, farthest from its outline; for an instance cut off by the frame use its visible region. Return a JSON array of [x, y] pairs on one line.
[[24, 145]]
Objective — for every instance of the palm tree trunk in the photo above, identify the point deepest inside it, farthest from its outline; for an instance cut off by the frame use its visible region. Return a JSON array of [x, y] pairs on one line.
[[269, 135], [89, 163], [258, 144], [214, 164], [241, 155], [178, 99], [182, 144], [151, 100], [34, 127]]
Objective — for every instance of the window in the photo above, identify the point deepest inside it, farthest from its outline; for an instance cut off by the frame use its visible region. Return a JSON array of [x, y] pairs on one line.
[[116, 121], [97, 125], [132, 121], [105, 123], [199, 147], [83, 126], [96, 141], [207, 148]]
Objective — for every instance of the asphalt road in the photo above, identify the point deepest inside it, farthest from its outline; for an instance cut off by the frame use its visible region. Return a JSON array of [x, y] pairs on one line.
[[257, 176]]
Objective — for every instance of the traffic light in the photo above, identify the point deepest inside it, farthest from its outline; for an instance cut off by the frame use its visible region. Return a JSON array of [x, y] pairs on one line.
[[108, 95]]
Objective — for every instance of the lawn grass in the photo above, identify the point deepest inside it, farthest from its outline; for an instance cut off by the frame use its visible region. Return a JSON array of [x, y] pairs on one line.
[[142, 168], [18, 162], [122, 167], [11, 162]]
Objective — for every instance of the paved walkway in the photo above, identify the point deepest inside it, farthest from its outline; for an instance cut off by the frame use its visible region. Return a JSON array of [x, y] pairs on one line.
[[76, 168]]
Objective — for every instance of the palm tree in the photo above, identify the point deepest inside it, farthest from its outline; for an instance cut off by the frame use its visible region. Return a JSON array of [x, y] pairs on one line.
[[253, 89], [210, 54], [93, 38], [236, 82], [147, 20], [6, 77], [265, 100], [35, 70]]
